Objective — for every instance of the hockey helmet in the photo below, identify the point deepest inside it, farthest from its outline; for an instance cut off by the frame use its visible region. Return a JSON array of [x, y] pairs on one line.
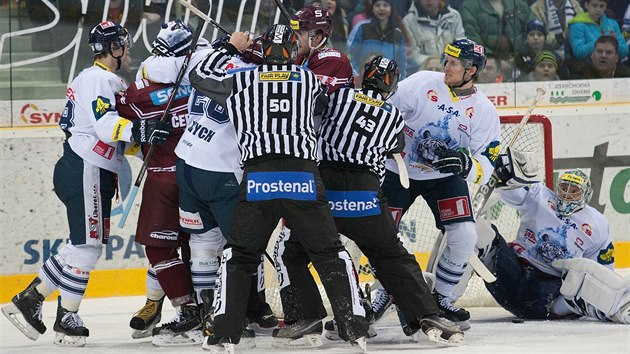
[[470, 53], [108, 36], [279, 45], [173, 40], [254, 53], [573, 190], [381, 74], [313, 18]]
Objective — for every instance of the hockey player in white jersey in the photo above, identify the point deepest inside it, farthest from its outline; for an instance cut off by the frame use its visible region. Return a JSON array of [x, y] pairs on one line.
[[452, 136], [85, 181], [561, 264]]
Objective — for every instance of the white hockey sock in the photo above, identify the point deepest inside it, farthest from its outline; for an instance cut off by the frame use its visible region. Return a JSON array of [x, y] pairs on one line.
[[50, 275], [154, 289], [204, 259], [460, 242], [72, 287]]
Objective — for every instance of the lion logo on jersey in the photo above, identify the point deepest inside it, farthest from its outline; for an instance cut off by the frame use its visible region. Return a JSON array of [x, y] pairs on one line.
[[428, 139]]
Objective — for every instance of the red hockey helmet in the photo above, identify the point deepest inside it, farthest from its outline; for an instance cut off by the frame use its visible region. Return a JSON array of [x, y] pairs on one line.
[[313, 18]]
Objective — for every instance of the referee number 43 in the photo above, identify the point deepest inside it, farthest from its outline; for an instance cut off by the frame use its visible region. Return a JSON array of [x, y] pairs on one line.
[[366, 124]]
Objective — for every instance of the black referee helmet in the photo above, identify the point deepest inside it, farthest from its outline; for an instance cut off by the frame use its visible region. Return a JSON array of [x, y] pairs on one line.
[[381, 74], [279, 44]]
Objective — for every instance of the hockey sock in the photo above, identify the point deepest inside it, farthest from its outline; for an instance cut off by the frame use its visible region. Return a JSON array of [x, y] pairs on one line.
[[50, 274], [204, 259], [460, 242], [72, 287], [154, 289], [172, 273]]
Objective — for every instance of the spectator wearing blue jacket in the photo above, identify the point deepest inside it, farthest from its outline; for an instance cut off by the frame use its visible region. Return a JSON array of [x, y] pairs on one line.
[[383, 33], [586, 27]]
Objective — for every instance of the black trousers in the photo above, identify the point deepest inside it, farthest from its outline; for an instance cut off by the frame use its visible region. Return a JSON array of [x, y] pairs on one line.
[[373, 229], [292, 189]]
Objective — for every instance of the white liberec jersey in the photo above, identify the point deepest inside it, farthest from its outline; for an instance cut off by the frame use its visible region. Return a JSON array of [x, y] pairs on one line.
[[209, 142], [98, 132], [544, 236], [165, 69], [435, 117]]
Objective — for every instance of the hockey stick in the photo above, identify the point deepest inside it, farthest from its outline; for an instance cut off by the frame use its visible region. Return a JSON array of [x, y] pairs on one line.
[[284, 11], [203, 16], [171, 100], [402, 171]]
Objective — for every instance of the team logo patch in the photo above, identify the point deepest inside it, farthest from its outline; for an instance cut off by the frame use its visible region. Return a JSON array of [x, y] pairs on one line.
[[280, 76], [281, 185], [477, 48], [454, 208], [190, 220], [104, 150], [587, 229], [101, 106], [530, 236], [432, 95], [353, 204], [470, 111], [492, 151], [607, 256]]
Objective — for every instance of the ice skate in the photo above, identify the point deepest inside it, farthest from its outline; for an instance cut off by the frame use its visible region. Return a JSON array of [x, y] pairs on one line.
[[382, 305], [361, 343], [221, 345], [301, 334], [453, 313], [331, 330], [207, 311], [184, 329], [69, 329], [438, 329], [28, 303], [264, 319], [146, 319]]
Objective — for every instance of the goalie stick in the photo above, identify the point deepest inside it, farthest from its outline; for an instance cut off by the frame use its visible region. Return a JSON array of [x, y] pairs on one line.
[[171, 100], [403, 175], [479, 202]]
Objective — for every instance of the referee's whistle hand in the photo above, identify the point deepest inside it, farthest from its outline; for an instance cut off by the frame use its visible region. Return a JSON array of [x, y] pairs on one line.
[[240, 40]]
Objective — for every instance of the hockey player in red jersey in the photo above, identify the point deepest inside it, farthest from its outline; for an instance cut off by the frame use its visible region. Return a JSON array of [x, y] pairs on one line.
[[158, 223]]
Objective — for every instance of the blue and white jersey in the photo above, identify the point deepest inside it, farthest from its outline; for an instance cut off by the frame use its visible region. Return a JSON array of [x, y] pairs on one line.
[[209, 142], [435, 117], [99, 134], [544, 236]]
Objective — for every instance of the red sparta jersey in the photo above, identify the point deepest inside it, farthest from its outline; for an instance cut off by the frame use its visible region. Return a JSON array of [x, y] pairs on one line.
[[147, 100], [332, 68]]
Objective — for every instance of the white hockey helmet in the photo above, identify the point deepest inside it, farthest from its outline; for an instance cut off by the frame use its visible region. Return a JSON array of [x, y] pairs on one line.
[[173, 40], [573, 190]]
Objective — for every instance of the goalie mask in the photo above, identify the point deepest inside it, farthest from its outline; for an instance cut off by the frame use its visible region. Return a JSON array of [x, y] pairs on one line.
[[173, 40], [381, 74], [573, 190]]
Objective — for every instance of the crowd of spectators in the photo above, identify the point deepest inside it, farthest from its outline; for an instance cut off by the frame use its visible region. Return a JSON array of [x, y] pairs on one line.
[[525, 40]]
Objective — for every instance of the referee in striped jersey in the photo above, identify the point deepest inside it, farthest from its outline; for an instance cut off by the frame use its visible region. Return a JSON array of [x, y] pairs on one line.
[[272, 107], [359, 130]]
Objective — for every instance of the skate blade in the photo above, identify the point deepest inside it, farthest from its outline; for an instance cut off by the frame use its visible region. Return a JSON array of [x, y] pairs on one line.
[[194, 337], [307, 341], [331, 335], [361, 344], [435, 335], [10, 311], [69, 341], [463, 325], [227, 348], [139, 334]]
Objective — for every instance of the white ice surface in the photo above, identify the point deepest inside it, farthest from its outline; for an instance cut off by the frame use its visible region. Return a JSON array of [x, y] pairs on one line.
[[492, 332]]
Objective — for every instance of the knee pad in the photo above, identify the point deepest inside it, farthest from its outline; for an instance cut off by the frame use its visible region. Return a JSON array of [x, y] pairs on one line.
[[209, 242], [461, 239], [83, 257], [588, 281]]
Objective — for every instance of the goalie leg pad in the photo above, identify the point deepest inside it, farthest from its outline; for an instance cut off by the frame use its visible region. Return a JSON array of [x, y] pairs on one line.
[[596, 285]]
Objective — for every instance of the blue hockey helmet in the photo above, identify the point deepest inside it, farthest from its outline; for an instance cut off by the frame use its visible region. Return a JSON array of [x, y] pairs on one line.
[[470, 53], [173, 40], [108, 36], [573, 190]]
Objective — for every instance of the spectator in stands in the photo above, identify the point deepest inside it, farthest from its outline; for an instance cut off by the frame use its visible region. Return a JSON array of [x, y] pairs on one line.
[[339, 35], [492, 72], [556, 14], [497, 24], [604, 61], [546, 67], [535, 43], [587, 27], [433, 63], [383, 33], [432, 24], [626, 26]]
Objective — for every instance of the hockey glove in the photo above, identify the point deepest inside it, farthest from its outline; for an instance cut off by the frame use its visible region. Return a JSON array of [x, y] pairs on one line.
[[150, 131], [516, 169], [452, 161]]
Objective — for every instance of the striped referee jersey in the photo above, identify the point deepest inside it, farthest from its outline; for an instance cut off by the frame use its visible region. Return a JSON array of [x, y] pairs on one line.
[[271, 106], [359, 127]]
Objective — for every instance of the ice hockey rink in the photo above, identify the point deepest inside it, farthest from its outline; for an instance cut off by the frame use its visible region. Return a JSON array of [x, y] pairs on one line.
[[492, 332]]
